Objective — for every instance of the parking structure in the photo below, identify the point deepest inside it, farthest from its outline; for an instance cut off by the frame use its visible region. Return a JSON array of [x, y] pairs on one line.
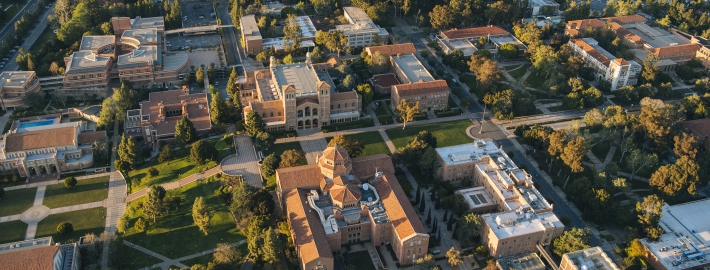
[[198, 14]]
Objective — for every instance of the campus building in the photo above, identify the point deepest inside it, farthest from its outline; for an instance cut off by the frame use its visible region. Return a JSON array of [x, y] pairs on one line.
[[468, 40], [543, 7], [431, 95], [46, 145], [40, 253], [515, 218], [298, 96], [361, 31], [606, 66], [593, 258], [253, 42], [157, 116], [670, 48], [405, 67], [14, 85], [340, 200], [684, 243], [530, 261]]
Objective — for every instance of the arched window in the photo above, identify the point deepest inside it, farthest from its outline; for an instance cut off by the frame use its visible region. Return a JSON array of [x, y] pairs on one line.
[[308, 111], [300, 113], [315, 111], [272, 114]]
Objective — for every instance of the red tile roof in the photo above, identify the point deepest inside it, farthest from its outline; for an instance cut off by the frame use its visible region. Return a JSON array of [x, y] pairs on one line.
[[31, 259], [474, 32], [627, 19], [40, 139], [700, 127], [420, 88], [688, 49], [578, 25], [399, 209], [91, 137], [627, 34], [308, 234], [384, 80], [394, 49], [197, 109], [592, 51]]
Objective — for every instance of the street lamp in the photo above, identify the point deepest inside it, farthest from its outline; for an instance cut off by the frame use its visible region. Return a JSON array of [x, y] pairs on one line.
[[483, 118]]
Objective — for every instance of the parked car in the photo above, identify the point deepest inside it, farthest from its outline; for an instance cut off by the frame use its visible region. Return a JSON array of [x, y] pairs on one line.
[[216, 83]]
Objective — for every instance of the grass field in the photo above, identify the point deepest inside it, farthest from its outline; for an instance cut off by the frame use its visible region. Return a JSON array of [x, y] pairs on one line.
[[12, 231], [534, 80], [360, 259], [556, 108], [17, 201], [205, 259], [85, 191], [130, 258], [278, 149], [84, 221], [447, 133], [175, 235], [374, 144], [518, 73], [178, 168]]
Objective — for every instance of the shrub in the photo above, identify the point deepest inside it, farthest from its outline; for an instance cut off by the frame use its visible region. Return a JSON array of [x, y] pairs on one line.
[[140, 225], [70, 182], [65, 228], [153, 172], [2, 192]]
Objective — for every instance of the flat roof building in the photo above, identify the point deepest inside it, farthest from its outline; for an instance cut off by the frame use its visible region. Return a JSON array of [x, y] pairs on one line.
[[158, 115], [340, 200], [593, 258], [16, 84], [431, 95], [684, 243], [254, 42], [529, 261], [361, 31], [543, 7], [410, 70], [101, 45], [467, 40], [515, 232]]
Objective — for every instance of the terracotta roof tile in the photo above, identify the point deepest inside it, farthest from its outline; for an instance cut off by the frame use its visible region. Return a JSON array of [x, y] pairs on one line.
[[583, 24], [40, 139], [419, 88], [627, 34], [340, 96], [592, 51], [674, 50], [308, 233], [384, 80], [91, 137], [197, 110], [405, 48], [627, 19], [365, 167], [271, 104], [700, 127], [399, 209], [474, 32], [31, 259], [299, 176]]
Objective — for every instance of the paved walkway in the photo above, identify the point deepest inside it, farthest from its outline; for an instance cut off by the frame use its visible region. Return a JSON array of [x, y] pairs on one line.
[[176, 184], [54, 182], [244, 162], [167, 262]]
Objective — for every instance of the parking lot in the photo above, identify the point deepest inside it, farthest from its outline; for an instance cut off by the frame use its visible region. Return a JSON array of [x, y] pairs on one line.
[[180, 42], [198, 14]]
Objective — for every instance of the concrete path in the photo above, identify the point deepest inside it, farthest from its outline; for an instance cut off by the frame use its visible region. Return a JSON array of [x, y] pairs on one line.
[[597, 164], [116, 202], [610, 154], [526, 75], [314, 146], [244, 162], [541, 107], [177, 184], [5, 118], [54, 182], [167, 262]]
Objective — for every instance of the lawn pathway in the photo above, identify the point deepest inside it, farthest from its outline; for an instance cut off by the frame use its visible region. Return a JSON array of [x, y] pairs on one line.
[[177, 184], [167, 262]]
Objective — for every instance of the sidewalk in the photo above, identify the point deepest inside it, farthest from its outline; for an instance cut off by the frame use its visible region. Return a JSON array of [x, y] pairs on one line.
[[176, 184]]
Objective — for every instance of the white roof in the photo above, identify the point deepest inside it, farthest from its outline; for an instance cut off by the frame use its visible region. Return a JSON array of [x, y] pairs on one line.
[[509, 224]]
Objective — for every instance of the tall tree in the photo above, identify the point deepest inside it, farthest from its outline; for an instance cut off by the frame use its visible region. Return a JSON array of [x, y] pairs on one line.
[[440, 17], [201, 215], [685, 146], [649, 212], [545, 60], [185, 132], [407, 111], [639, 161], [108, 112], [365, 90], [226, 255], [572, 240], [153, 206], [219, 113], [467, 228], [253, 123], [379, 63], [679, 179], [354, 147], [129, 151], [271, 250], [453, 257], [291, 158], [202, 151], [427, 163], [485, 69], [573, 153], [166, 154], [200, 77], [293, 35]]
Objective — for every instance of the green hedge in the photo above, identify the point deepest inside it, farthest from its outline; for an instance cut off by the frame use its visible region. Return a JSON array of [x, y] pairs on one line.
[[447, 113], [421, 116], [385, 119], [366, 122], [283, 134]]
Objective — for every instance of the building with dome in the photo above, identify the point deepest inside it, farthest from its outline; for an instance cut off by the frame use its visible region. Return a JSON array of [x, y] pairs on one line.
[[340, 200]]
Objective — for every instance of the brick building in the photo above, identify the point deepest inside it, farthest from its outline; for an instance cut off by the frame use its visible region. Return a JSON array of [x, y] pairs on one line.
[[432, 95], [14, 85]]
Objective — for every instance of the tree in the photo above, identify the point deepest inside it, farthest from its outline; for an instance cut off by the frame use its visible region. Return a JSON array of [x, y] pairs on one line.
[[635, 249], [467, 228], [201, 215], [34, 100], [264, 140], [426, 262], [453, 256], [202, 151], [271, 250], [219, 113], [638, 161], [293, 35], [108, 112], [122, 225], [239, 206], [572, 240], [224, 254], [545, 60], [316, 55], [153, 172], [508, 50], [649, 73], [253, 123], [440, 17], [365, 90], [291, 158], [354, 147], [332, 40], [594, 118], [679, 179], [65, 228], [200, 77], [140, 225], [269, 165], [649, 213], [427, 164], [153, 207], [573, 153], [379, 63], [129, 151], [485, 69], [185, 132], [349, 82], [407, 111], [70, 182], [685, 146], [166, 154]]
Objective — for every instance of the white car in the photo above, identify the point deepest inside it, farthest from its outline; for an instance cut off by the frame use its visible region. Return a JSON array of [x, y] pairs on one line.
[[188, 41], [169, 45], [202, 17], [216, 83], [6, 59]]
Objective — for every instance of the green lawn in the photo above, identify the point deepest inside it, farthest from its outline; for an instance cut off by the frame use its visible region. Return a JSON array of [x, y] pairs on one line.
[[518, 73], [447, 133], [383, 109], [374, 144], [607, 237], [534, 80], [205, 259], [12, 231], [85, 191], [174, 170], [85, 221], [360, 259], [278, 149], [17, 201], [224, 146], [130, 258], [175, 235]]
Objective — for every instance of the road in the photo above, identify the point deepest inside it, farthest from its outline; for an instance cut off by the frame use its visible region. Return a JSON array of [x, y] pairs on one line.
[[230, 35], [34, 34], [10, 26]]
